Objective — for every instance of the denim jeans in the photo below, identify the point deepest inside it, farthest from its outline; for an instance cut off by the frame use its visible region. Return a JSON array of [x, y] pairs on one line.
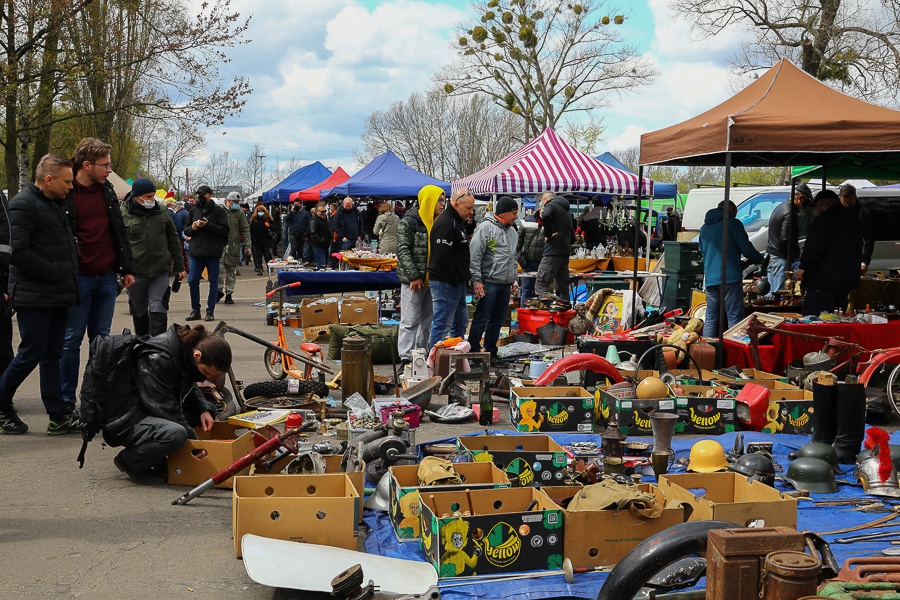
[[489, 316], [734, 308], [450, 314], [94, 314], [321, 256], [776, 272], [42, 331], [211, 264]]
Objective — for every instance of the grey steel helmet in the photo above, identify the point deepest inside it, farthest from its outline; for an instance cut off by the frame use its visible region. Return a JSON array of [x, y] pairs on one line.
[[818, 360], [867, 476], [380, 500], [756, 466], [820, 450], [813, 474]]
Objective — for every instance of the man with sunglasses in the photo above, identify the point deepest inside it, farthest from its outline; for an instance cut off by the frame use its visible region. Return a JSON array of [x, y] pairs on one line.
[[104, 255]]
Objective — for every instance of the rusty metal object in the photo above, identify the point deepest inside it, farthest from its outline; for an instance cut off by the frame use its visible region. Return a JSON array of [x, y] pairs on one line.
[[871, 568], [789, 575], [735, 559], [850, 590], [873, 523]]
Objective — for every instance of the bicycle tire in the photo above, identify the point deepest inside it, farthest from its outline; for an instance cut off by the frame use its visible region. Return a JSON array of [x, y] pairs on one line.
[[279, 403], [893, 389], [274, 366], [286, 387]]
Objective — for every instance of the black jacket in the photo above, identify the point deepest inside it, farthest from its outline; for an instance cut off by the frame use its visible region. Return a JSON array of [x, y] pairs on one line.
[[124, 259], [209, 240], [319, 232], [449, 259], [867, 226], [832, 252], [165, 381], [5, 248], [296, 222], [349, 224], [558, 230], [784, 231], [44, 264]]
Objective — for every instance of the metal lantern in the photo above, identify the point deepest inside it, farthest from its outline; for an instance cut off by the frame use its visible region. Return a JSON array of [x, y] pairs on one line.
[[612, 441]]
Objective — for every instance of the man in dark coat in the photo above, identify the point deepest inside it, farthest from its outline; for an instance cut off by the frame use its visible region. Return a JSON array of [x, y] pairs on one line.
[[348, 224], [44, 283], [207, 227], [832, 254], [448, 267], [784, 235], [296, 224], [851, 203], [559, 234]]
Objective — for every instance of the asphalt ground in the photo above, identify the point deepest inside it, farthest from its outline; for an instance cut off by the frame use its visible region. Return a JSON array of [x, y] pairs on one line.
[[91, 533]]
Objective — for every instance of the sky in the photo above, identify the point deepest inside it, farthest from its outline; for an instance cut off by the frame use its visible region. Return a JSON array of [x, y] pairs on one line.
[[319, 68]]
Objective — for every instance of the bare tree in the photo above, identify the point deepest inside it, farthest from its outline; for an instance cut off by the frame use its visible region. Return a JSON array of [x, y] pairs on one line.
[[440, 136], [165, 148], [852, 44], [541, 59], [219, 171], [254, 169]]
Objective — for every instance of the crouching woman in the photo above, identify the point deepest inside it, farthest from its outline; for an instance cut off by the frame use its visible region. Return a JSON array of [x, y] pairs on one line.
[[168, 368]]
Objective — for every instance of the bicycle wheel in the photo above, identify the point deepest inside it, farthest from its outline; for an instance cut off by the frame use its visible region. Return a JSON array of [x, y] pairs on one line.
[[287, 387], [274, 366], [893, 389], [281, 403]]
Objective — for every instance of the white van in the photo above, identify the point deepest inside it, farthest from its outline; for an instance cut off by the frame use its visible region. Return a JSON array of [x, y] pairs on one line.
[[703, 199]]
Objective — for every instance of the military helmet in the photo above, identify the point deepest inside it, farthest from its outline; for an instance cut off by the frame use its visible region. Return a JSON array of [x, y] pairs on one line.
[[707, 456], [813, 474], [755, 466], [820, 450]]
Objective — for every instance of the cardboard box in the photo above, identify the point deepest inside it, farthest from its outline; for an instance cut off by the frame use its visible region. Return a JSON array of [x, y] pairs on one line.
[[466, 532], [332, 466], [317, 316], [316, 509], [405, 491], [359, 311], [603, 537], [730, 497], [632, 414], [224, 444], [789, 416], [563, 408], [703, 415], [526, 459]]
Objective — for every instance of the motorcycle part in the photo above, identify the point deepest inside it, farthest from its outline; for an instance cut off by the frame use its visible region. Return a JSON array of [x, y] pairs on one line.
[[579, 362], [286, 387]]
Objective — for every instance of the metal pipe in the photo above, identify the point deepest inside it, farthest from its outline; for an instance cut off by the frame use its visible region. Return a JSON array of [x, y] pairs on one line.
[[222, 328]]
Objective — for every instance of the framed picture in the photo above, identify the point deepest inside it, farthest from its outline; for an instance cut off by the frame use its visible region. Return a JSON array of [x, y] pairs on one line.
[[739, 334], [609, 319]]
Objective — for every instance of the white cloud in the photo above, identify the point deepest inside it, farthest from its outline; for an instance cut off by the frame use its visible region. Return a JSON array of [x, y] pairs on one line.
[[630, 138]]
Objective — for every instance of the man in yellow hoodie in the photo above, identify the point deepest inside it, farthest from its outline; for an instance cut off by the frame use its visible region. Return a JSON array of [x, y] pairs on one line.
[[413, 242]]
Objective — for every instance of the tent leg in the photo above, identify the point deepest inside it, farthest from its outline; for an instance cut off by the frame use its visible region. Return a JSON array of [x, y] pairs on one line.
[[723, 325], [637, 237]]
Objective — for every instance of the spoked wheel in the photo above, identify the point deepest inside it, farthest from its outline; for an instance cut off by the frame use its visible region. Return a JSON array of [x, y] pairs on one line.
[[893, 389], [281, 403], [289, 387], [274, 366]]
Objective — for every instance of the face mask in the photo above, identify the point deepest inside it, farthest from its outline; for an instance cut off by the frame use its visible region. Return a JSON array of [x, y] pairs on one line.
[[235, 207], [201, 200], [261, 213], [149, 203]]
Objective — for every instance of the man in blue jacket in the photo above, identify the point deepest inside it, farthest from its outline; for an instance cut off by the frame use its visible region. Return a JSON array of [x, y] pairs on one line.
[[711, 247]]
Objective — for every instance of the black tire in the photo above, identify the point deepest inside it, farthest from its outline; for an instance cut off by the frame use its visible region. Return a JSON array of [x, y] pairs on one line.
[[225, 407], [283, 388], [276, 402], [274, 366]]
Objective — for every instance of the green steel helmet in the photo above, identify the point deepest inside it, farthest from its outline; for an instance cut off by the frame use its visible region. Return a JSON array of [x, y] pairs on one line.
[[813, 474], [755, 466], [821, 450]]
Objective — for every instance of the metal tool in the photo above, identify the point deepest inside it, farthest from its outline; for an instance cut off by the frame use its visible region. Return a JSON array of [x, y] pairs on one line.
[[288, 440], [869, 537], [878, 521]]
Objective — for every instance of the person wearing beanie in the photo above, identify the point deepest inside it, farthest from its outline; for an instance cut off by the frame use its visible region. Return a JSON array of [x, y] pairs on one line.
[[104, 256], [207, 229], [492, 264], [238, 236], [156, 247]]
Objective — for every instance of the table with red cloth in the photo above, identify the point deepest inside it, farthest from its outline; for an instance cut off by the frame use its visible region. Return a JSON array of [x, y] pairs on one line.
[[777, 351]]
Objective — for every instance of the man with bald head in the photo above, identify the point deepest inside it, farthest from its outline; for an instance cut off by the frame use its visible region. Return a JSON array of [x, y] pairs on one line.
[[348, 224], [448, 267]]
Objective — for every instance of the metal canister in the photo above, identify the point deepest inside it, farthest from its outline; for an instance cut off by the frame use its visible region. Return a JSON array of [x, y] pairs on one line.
[[356, 366], [789, 575]]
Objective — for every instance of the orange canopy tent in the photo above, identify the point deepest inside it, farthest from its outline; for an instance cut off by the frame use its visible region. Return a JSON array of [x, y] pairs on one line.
[[312, 193]]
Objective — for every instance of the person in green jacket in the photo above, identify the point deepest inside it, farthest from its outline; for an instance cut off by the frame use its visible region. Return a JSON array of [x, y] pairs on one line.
[[238, 233], [157, 253], [386, 229]]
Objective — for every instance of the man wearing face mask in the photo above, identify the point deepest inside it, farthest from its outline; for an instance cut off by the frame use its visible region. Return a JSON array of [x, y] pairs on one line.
[[784, 235], [208, 228], [238, 235], [493, 268], [157, 252]]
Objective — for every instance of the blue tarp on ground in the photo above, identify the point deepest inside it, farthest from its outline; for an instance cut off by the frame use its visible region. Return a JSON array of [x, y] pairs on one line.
[[381, 538], [386, 175], [660, 189], [300, 179]]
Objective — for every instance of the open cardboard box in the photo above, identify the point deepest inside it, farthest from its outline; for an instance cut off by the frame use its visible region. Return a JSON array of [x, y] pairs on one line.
[[405, 490], [316, 509], [465, 532], [317, 316], [526, 459], [603, 537], [224, 444], [730, 497], [359, 311], [553, 408]]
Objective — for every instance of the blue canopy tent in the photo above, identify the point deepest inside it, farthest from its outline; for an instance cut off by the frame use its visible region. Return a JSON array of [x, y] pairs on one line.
[[300, 179], [386, 175], [660, 189]]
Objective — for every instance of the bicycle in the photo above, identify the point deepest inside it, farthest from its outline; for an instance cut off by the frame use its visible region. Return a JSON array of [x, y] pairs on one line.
[[278, 364]]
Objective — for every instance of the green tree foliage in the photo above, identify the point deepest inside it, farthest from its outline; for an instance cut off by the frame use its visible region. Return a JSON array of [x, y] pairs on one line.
[[541, 59]]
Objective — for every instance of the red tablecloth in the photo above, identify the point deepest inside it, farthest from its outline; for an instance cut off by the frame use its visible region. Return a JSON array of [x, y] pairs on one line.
[[777, 351]]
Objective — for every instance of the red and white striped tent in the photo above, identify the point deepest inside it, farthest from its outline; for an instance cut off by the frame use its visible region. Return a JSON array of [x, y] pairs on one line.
[[547, 163]]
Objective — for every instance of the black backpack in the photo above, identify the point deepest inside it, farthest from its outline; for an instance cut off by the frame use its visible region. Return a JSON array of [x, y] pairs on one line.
[[107, 399]]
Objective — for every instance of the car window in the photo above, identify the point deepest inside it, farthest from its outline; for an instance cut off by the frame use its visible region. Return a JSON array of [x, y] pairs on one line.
[[754, 212]]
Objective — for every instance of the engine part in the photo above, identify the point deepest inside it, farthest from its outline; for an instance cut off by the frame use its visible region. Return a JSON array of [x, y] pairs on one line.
[[306, 463]]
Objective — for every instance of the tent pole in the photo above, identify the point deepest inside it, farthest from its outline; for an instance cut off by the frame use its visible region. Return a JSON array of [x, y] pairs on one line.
[[637, 239], [726, 209]]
